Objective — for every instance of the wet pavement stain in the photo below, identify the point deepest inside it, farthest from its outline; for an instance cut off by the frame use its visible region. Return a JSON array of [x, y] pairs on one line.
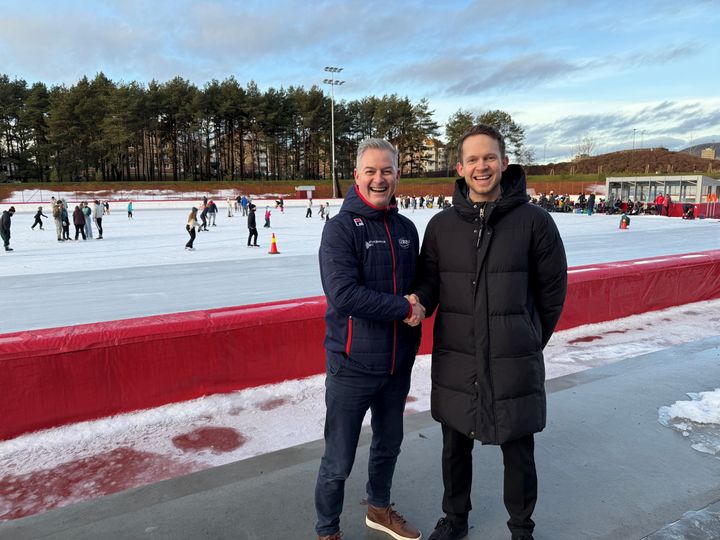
[[584, 339], [87, 478], [271, 404], [216, 439]]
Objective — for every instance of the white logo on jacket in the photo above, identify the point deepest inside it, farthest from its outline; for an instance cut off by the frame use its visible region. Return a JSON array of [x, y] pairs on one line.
[[371, 243], [404, 243]]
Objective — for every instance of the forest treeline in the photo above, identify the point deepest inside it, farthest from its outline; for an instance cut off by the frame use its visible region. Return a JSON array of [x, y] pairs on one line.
[[98, 129]]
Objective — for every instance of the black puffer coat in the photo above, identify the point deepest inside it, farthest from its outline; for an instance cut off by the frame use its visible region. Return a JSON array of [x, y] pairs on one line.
[[499, 284]]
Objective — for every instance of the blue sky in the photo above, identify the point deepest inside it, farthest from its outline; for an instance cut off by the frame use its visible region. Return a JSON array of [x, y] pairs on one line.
[[563, 69]]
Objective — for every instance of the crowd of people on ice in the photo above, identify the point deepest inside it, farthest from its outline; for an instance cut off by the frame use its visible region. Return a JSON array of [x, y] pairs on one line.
[[86, 214], [662, 205], [241, 204]]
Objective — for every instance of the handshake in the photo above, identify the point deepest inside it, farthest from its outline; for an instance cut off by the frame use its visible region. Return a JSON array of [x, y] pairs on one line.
[[418, 310]]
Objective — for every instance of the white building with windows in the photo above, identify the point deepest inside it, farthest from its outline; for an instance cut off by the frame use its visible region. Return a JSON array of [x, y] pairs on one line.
[[693, 188]]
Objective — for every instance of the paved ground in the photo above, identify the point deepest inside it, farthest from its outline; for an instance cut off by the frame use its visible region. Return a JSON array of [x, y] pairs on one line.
[[607, 470]]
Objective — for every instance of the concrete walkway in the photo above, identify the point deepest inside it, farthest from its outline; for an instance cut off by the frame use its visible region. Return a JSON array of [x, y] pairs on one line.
[[607, 470]]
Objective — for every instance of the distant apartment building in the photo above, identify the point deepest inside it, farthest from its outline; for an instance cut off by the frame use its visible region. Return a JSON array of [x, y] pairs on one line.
[[708, 153], [434, 155]]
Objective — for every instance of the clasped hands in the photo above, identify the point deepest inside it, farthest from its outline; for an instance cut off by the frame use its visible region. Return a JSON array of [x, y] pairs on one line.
[[418, 310]]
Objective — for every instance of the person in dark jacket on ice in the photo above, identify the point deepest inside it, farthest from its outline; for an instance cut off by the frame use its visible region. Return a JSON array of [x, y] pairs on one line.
[[252, 227], [5, 224], [368, 254], [39, 214], [494, 268], [79, 221]]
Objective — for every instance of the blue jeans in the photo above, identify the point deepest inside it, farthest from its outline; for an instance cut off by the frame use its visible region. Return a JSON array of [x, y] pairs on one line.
[[348, 396]]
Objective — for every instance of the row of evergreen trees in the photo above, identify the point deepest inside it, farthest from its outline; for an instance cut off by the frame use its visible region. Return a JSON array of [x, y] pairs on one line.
[[102, 130]]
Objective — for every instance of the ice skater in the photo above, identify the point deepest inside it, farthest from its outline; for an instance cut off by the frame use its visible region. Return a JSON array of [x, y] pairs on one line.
[[252, 227], [57, 209], [212, 212], [203, 218], [5, 222], [65, 220], [88, 219], [98, 211], [308, 212], [39, 214], [190, 228], [130, 210], [267, 217], [229, 207], [79, 222]]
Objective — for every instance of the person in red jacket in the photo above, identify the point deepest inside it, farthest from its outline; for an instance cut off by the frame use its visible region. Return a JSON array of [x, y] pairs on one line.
[[667, 203], [659, 200]]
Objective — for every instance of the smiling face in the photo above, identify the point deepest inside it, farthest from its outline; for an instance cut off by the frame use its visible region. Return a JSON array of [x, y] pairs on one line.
[[377, 177], [482, 167]]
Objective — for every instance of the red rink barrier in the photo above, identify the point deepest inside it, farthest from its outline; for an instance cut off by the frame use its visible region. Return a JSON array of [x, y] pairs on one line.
[[63, 375]]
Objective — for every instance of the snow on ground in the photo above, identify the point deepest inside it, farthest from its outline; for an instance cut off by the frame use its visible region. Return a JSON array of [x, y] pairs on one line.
[[141, 268], [697, 419]]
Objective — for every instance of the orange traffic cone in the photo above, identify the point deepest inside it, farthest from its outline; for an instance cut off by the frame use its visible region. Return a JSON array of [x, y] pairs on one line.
[[273, 246]]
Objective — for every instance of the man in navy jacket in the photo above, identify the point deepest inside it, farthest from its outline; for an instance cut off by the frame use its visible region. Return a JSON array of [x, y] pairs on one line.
[[368, 254]]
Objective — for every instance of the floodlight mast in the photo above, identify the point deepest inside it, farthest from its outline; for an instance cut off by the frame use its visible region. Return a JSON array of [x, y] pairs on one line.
[[333, 82]]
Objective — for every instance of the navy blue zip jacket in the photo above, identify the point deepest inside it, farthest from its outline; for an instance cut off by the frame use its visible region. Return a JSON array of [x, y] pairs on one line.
[[367, 263]]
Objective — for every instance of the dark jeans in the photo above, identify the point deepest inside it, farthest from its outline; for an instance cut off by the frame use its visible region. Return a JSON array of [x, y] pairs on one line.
[[520, 479], [348, 396], [252, 236], [98, 222], [80, 229], [191, 232], [6, 239]]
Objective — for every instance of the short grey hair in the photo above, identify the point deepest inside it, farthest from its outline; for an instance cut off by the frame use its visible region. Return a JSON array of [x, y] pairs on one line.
[[377, 144]]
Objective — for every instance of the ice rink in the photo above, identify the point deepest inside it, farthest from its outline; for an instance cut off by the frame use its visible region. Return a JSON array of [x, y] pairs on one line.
[[141, 267]]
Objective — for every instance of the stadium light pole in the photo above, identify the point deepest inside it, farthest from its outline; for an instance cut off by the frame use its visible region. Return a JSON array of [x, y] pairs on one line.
[[333, 82], [634, 130]]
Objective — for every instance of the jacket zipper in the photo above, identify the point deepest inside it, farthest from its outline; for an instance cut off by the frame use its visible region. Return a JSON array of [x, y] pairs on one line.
[[394, 276], [481, 229], [482, 225], [349, 336]]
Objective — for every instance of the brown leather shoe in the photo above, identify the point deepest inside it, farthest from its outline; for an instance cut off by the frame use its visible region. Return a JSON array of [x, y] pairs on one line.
[[337, 536], [390, 521]]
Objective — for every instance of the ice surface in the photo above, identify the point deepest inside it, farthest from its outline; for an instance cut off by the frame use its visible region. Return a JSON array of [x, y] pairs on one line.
[[141, 267]]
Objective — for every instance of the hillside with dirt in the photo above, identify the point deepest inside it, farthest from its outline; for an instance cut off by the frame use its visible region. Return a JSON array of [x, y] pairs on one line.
[[630, 162]]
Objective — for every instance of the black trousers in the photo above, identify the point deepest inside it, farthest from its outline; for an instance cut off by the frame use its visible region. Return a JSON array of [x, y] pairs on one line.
[[191, 232], [520, 479], [252, 236], [80, 229], [98, 222]]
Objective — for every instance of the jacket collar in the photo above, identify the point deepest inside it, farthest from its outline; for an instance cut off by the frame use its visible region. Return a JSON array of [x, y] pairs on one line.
[[357, 204], [513, 188]]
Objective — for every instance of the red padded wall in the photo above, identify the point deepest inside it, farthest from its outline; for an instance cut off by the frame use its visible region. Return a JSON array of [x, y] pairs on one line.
[[62, 375]]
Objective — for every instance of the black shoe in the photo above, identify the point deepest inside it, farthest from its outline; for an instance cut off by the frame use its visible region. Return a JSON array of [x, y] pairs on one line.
[[523, 537], [9, 249], [449, 530]]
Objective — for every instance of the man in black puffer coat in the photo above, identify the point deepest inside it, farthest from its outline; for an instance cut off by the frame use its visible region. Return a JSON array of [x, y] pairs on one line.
[[368, 255], [494, 267]]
